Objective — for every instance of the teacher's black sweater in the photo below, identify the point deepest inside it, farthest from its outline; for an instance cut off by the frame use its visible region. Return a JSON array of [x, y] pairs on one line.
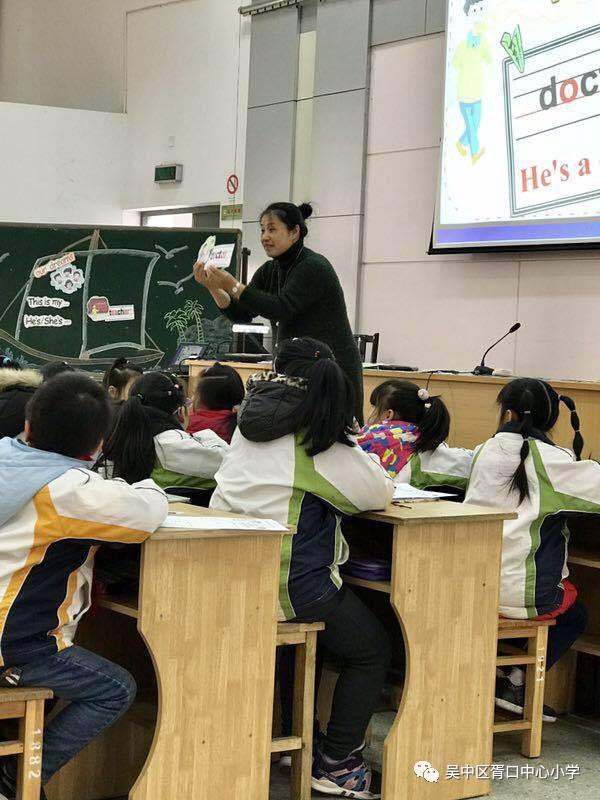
[[301, 295]]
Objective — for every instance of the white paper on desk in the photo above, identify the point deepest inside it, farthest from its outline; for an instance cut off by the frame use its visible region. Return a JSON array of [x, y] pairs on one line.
[[182, 522], [404, 491], [174, 498]]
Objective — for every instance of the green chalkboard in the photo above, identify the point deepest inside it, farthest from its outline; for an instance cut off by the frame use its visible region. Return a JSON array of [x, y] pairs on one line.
[[87, 295]]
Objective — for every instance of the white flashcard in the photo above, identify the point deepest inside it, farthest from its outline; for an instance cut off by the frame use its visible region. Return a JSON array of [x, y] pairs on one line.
[[56, 263], [45, 321], [47, 302], [220, 256]]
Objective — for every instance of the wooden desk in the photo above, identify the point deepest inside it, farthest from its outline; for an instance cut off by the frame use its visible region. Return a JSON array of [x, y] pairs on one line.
[[207, 613], [444, 590], [471, 400], [244, 370]]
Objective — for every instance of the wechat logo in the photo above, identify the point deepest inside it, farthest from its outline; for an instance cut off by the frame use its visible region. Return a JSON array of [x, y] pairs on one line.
[[423, 769]]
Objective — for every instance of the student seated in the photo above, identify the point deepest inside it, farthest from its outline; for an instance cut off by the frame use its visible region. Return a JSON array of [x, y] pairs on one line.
[[408, 430], [520, 469], [119, 378], [53, 513], [293, 459], [148, 439], [217, 399], [55, 368], [17, 387]]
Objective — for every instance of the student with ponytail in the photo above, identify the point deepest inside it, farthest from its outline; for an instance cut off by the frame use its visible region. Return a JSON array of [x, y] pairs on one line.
[[217, 399], [521, 469], [119, 378], [148, 440], [408, 430], [293, 458], [298, 290]]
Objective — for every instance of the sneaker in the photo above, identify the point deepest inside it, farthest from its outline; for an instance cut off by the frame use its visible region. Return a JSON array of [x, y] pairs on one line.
[[8, 789], [512, 698], [352, 777]]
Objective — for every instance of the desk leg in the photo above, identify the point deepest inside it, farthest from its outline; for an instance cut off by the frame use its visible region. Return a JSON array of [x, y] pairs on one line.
[[445, 583], [208, 616]]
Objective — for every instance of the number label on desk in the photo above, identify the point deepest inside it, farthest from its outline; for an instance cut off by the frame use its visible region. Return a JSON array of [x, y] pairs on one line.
[[35, 760]]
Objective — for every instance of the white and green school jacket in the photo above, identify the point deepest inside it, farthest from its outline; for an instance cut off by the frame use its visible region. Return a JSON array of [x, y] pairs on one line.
[[188, 460], [278, 480], [444, 466], [534, 548]]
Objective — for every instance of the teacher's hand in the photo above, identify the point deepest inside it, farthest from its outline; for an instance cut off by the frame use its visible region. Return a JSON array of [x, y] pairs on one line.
[[200, 272], [219, 279]]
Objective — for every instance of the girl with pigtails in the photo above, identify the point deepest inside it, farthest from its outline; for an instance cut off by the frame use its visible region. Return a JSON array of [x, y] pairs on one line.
[[520, 469], [407, 430], [294, 458], [148, 440]]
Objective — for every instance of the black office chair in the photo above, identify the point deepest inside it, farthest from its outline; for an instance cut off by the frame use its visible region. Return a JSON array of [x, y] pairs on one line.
[[362, 340]]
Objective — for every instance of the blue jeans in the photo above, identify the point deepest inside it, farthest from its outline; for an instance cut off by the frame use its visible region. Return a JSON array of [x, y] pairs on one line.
[[472, 116], [99, 692]]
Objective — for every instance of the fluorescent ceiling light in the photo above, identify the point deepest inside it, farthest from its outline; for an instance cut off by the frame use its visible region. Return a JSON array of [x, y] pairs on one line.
[[267, 5]]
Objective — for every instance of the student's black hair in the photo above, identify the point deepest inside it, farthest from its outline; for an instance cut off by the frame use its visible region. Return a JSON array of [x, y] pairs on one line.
[[55, 368], [326, 415], [291, 215], [70, 415], [120, 373], [130, 446], [9, 363], [413, 404], [220, 388], [537, 406]]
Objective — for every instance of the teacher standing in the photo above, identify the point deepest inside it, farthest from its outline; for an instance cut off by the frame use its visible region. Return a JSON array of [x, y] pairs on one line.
[[297, 290]]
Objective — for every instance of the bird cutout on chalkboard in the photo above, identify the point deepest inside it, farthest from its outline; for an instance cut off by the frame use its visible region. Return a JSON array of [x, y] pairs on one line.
[[203, 255], [3, 257], [169, 254], [514, 47], [178, 286]]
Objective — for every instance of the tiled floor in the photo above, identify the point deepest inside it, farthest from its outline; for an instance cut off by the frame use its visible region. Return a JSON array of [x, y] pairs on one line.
[[570, 741]]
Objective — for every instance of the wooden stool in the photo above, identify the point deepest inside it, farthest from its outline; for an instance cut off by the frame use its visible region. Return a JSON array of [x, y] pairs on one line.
[[26, 705], [300, 743], [536, 633]]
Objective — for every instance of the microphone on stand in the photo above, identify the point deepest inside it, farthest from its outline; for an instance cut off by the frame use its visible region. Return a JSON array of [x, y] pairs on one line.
[[482, 369]]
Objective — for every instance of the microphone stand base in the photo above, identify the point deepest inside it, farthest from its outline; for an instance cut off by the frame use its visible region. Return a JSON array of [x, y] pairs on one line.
[[481, 369]]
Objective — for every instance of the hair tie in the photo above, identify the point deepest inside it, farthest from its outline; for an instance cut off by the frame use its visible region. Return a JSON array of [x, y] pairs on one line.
[[424, 395], [140, 397], [318, 354], [526, 412]]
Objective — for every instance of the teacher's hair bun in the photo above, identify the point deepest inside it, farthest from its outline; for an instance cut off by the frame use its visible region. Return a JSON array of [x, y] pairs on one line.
[[306, 210]]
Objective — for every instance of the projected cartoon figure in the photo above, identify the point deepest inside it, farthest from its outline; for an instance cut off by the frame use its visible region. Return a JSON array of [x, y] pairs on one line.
[[470, 60]]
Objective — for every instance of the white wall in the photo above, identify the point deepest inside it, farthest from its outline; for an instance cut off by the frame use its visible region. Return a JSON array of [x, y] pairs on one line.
[[68, 53], [172, 64], [441, 311], [185, 102], [61, 166]]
